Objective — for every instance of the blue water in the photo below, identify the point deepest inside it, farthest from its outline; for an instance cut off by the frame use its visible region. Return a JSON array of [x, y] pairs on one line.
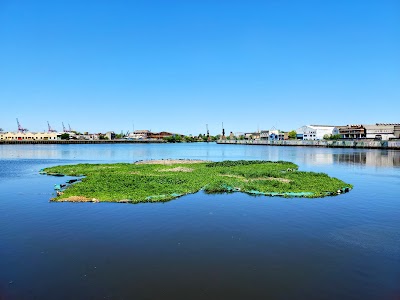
[[229, 246]]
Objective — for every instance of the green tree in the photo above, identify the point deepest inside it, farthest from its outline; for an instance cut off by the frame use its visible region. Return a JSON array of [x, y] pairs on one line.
[[188, 139], [336, 137], [332, 136], [65, 136], [293, 135]]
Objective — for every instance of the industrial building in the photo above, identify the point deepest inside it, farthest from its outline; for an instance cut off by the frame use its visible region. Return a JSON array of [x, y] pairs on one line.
[[30, 136], [383, 131], [352, 131]]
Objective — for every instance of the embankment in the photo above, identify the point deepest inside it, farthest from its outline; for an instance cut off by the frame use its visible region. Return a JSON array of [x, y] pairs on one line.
[[364, 144]]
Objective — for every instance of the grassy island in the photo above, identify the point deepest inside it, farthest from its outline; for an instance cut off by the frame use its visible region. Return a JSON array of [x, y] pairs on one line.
[[155, 181]]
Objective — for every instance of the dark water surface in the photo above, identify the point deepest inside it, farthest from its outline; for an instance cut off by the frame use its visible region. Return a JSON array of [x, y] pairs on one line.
[[230, 246]]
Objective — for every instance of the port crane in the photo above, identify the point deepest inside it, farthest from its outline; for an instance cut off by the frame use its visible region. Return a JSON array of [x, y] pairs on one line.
[[49, 128], [65, 129], [20, 128]]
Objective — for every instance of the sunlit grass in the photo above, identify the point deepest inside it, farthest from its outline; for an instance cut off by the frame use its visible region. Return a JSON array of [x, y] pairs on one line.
[[155, 182]]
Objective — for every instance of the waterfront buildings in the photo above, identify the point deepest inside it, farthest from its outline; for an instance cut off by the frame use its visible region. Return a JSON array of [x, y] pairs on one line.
[[138, 134], [383, 131], [161, 135], [110, 135], [30, 136], [352, 131], [316, 132], [276, 135]]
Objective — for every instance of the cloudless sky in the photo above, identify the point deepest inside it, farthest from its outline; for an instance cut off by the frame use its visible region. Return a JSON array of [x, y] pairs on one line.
[[178, 65]]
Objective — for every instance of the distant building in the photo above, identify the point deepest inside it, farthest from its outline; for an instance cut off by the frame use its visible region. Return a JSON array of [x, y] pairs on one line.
[[383, 131], [264, 134], [110, 135], [352, 131], [30, 136], [139, 134], [316, 132], [252, 136], [85, 136], [162, 134], [239, 135], [276, 135]]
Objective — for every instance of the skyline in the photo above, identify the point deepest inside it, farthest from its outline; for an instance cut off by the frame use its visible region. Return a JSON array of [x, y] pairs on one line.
[[178, 66], [51, 128]]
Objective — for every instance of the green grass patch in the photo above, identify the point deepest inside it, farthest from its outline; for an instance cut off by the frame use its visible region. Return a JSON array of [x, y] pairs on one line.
[[125, 182]]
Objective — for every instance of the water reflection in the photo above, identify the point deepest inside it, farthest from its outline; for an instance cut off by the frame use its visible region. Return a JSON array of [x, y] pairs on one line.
[[133, 152], [376, 158]]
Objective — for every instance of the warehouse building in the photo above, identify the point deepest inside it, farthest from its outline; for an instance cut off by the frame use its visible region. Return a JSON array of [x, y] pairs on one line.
[[383, 131]]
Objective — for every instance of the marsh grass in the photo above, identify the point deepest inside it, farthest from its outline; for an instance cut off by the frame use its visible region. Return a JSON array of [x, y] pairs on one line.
[[156, 183]]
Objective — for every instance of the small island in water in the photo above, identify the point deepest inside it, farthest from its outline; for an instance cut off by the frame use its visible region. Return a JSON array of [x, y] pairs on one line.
[[164, 180]]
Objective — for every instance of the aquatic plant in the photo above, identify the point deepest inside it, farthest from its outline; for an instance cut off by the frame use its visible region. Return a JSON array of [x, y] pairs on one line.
[[125, 182]]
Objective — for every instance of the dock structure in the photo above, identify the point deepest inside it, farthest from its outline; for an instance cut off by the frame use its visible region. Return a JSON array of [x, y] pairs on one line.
[[362, 144]]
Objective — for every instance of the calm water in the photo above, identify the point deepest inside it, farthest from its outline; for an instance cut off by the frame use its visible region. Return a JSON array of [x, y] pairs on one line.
[[200, 246]]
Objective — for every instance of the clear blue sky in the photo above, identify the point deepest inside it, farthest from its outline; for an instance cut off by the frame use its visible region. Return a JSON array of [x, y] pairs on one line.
[[177, 65]]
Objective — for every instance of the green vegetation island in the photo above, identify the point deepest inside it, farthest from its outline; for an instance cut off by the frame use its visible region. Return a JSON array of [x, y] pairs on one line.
[[164, 180]]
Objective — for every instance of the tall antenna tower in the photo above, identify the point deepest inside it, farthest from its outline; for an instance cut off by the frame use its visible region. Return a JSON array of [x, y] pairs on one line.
[[208, 133], [223, 131], [20, 128]]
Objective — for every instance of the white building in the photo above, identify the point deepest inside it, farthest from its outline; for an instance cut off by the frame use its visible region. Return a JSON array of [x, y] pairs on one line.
[[139, 134], [382, 131], [30, 136], [276, 135], [316, 132], [264, 134]]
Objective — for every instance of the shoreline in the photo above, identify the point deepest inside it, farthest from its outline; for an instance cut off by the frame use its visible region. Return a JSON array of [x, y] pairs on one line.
[[355, 144], [73, 142]]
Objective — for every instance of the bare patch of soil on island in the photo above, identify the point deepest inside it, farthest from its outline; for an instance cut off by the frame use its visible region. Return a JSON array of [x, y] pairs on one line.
[[170, 161], [76, 199], [284, 180], [177, 169]]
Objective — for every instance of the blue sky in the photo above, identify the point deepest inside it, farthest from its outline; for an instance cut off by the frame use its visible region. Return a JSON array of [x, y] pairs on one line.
[[178, 65]]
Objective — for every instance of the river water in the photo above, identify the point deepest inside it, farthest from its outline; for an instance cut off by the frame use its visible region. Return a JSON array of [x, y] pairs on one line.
[[229, 246]]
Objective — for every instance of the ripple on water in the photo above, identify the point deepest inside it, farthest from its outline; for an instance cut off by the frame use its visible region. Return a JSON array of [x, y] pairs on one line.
[[372, 237]]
